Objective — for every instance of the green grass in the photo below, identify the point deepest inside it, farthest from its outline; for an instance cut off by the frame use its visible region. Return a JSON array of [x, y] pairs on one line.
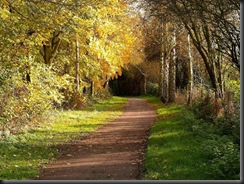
[[173, 152], [22, 156]]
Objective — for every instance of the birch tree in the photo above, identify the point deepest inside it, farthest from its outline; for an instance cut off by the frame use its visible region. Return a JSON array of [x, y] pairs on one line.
[[190, 73], [172, 69]]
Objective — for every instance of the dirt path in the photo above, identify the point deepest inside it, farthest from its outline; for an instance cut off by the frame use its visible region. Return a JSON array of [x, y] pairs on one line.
[[113, 152]]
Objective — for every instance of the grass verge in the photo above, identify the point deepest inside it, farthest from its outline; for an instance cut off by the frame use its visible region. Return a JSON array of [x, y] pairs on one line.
[[183, 147], [22, 156], [173, 152]]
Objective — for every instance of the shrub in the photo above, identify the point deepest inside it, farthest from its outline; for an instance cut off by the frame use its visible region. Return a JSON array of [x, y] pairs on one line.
[[180, 97], [220, 140], [222, 157], [204, 108], [26, 103], [229, 124], [152, 89], [197, 126]]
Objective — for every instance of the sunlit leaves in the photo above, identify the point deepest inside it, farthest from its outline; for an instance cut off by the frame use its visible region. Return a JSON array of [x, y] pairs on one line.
[[38, 51]]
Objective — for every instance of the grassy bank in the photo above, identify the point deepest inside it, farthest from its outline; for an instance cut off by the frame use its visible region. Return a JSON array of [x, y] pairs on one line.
[[180, 147], [22, 156]]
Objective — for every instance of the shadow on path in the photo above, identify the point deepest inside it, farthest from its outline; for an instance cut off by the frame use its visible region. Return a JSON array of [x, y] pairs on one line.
[[113, 152]]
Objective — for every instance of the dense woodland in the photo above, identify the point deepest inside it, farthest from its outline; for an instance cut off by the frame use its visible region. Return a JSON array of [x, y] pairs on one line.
[[65, 54]]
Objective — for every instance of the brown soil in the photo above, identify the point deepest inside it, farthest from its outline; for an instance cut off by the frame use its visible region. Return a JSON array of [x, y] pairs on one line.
[[113, 152]]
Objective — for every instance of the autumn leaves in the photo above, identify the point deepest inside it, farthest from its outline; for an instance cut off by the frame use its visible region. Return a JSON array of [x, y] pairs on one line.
[[58, 49]]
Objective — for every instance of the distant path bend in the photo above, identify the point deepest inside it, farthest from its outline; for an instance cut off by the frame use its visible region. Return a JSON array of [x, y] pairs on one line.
[[113, 152]]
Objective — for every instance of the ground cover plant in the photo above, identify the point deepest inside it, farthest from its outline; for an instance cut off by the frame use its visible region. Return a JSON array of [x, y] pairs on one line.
[[24, 154], [182, 147]]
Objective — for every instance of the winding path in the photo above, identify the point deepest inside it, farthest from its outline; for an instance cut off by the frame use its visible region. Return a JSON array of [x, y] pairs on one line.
[[113, 152]]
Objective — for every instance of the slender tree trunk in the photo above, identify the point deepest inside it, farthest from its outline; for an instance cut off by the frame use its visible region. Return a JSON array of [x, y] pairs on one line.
[[27, 76], [161, 65], [219, 74], [77, 66], [160, 86], [172, 73], [219, 93], [145, 85], [221, 83], [92, 88], [105, 85], [190, 74], [164, 79], [164, 66]]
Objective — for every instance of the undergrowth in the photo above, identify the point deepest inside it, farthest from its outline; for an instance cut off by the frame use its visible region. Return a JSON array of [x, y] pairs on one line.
[[183, 147]]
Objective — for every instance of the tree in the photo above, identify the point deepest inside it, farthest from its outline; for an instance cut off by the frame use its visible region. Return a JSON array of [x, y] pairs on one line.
[[224, 17], [172, 69], [190, 73], [196, 20], [81, 43]]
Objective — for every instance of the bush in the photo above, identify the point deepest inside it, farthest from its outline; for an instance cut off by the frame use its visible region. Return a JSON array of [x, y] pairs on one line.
[[223, 158], [221, 154], [26, 103], [152, 89], [229, 124], [220, 141], [204, 108], [197, 126]]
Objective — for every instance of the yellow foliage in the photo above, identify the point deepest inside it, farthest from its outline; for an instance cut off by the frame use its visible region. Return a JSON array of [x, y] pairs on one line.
[[32, 31]]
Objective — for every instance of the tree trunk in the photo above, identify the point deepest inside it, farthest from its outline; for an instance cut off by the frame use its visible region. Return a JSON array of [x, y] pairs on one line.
[[47, 54], [219, 75], [160, 86], [207, 53], [145, 84], [190, 74], [172, 73], [164, 67], [50, 48], [77, 66], [92, 88]]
